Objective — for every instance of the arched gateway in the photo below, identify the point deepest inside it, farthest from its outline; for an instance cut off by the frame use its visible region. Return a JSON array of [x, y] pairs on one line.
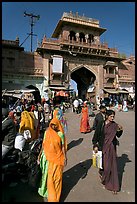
[[77, 53], [85, 80], [74, 51]]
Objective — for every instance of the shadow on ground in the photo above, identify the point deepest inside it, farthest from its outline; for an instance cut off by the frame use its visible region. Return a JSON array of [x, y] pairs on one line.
[[22, 192], [74, 143], [72, 176], [122, 160]]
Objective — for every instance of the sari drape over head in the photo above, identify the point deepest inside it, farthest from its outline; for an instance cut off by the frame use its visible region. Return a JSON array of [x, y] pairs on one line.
[[84, 124], [110, 174], [57, 113], [52, 144], [27, 123], [52, 163]]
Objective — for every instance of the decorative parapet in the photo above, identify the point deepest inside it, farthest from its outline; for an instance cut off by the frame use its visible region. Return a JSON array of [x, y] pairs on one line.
[[71, 17], [126, 78], [59, 44], [10, 42]]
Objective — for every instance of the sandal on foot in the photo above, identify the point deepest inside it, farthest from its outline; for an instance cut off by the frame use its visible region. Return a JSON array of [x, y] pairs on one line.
[[114, 192]]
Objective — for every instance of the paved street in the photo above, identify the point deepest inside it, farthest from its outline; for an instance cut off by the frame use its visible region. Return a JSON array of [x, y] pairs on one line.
[[81, 182]]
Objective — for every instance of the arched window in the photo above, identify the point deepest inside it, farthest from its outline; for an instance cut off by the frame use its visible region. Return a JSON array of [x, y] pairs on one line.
[[91, 38], [82, 37], [72, 35]]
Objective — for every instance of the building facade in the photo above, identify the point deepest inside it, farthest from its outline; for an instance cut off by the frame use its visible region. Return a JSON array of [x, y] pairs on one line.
[[73, 52], [20, 69], [127, 77]]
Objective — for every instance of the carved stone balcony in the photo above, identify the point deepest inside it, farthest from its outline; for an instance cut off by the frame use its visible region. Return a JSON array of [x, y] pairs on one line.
[[79, 47], [110, 76], [108, 85], [56, 82]]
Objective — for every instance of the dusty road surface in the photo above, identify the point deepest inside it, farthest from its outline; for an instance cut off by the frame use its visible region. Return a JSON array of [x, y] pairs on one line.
[[81, 182]]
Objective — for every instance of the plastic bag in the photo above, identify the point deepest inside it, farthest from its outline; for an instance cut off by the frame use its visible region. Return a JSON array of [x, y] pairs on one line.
[[97, 159], [19, 142]]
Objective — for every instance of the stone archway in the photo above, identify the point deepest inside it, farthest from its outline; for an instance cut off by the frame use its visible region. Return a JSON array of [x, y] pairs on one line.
[[84, 78]]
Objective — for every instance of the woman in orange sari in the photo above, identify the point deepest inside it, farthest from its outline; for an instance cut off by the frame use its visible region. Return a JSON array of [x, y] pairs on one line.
[[58, 113], [84, 124], [52, 159]]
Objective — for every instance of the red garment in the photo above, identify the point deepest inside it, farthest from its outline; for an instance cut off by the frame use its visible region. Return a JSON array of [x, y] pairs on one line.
[[32, 108], [11, 114], [84, 125]]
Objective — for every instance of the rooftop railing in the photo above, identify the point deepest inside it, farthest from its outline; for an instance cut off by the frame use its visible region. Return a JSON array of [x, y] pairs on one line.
[[76, 16]]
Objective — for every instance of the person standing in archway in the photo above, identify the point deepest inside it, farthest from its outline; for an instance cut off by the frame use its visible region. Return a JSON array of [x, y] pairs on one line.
[[84, 124], [98, 102]]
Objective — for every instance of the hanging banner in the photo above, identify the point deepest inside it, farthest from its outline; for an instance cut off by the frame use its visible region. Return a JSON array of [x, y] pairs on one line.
[[57, 65]]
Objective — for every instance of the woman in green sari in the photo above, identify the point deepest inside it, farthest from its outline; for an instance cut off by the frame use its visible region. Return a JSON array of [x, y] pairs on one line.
[[52, 159]]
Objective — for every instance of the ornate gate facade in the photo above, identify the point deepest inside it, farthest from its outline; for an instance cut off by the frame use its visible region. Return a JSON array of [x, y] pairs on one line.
[[85, 59]]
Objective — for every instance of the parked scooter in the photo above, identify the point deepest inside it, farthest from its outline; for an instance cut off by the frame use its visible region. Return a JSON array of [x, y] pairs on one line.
[[17, 164]]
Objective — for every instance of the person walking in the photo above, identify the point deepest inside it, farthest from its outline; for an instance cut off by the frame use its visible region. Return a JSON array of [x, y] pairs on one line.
[[75, 105], [27, 124], [107, 141], [52, 159], [84, 123], [100, 117], [97, 128], [125, 109], [97, 102], [58, 113]]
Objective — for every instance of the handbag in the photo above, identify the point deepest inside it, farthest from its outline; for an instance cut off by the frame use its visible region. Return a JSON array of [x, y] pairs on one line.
[[97, 159]]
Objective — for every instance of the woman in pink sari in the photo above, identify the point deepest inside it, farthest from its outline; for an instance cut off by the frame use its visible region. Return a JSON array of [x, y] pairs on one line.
[[84, 124]]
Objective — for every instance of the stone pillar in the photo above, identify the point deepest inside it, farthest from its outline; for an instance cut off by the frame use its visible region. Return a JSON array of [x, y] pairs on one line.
[[117, 81], [86, 38], [65, 35], [17, 40], [77, 37], [96, 39]]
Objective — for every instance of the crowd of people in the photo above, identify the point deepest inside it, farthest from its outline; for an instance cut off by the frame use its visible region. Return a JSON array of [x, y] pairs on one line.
[[22, 124], [26, 120]]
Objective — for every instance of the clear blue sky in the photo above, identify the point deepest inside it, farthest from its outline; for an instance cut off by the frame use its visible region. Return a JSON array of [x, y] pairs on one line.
[[117, 17]]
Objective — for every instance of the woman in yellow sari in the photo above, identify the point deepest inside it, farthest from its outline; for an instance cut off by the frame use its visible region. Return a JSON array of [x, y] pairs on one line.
[[52, 160], [27, 123]]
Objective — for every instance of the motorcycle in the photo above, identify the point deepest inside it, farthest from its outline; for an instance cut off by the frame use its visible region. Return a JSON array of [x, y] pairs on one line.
[[9, 165], [17, 164]]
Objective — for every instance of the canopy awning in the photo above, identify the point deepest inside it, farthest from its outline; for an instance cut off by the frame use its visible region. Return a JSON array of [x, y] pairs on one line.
[[111, 91], [57, 88], [60, 88], [19, 90], [123, 91], [110, 64], [18, 93], [114, 91]]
